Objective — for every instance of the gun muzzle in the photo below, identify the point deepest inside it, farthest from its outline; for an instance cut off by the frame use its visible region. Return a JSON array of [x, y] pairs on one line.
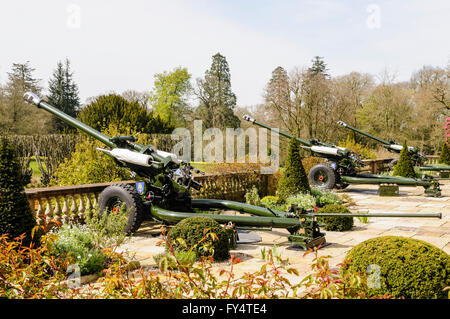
[[248, 118], [32, 98], [342, 124]]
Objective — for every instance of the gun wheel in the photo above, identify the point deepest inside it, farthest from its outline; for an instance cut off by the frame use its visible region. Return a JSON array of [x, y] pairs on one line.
[[114, 197], [393, 163], [322, 177]]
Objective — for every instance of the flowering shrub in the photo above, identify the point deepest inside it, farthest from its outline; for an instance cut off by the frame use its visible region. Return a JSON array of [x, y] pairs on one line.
[[32, 272], [35, 273], [76, 241]]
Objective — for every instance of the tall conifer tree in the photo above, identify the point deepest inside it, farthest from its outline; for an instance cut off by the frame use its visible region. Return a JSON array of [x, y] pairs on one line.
[[63, 94], [217, 100]]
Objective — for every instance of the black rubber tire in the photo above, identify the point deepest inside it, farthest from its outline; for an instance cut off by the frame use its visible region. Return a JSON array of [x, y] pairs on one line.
[[393, 163], [324, 171], [127, 194]]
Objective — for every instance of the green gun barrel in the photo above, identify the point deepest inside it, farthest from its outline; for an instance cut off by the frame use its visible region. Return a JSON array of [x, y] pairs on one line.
[[37, 101], [341, 123], [112, 142], [252, 120]]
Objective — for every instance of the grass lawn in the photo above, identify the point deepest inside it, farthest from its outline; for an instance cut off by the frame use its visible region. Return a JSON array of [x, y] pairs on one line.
[[36, 177]]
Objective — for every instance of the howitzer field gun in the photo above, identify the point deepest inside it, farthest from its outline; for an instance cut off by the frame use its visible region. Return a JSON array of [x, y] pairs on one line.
[[342, 165], [417, 157], [163, 194]]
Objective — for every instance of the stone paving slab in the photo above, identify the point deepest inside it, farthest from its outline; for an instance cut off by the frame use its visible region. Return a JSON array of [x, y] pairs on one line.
[[434, 231]]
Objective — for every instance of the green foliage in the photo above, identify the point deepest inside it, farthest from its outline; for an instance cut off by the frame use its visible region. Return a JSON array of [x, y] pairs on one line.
[[217, 101], [357, 148], [63, 94], [107, 231], [193, 230], [35, 273], [252, 197], [336, 223], [307, 201], [294, 179], [324, 198], [444, 156], [319, 66], [27, 272], [16, 217], [88, 243], [185, 257], [17, 117], [273, 202], [114, 110], [404, 166], [77, 241], [311, 161], [87, 165], [169, 97], [409, 268]]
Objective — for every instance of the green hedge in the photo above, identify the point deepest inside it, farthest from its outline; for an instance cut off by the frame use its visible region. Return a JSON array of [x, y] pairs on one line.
[[16, 217], [336, 223], [191, 230], [409, 268]]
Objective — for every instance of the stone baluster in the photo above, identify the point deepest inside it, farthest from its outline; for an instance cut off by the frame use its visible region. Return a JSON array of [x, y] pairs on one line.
[[81, 209], [65, 211], [73, 209], [88, 210], [48, 210], [39, 220], [57, 210], [95, 202]]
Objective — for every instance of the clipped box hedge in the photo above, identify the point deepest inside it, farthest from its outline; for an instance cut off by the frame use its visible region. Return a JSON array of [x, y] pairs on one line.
[[407, 267]]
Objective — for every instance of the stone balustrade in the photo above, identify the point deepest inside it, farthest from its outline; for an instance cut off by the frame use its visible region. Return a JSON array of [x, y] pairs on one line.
[[376, 166], [432, 159], [64, 203], [70, 203]]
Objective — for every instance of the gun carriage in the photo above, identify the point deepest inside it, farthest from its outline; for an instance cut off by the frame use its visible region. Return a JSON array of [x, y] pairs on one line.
[[342, 165]]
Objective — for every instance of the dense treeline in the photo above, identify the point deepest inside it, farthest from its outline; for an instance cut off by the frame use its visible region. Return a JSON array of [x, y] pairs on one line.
[[304, 101], [309, 102]]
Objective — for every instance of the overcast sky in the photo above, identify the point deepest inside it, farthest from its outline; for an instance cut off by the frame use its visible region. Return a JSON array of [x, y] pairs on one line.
[[120, 45]]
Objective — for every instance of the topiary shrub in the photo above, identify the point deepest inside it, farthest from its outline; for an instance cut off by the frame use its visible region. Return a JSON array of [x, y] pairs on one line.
[[294, 179], [192, 231], [16, 217], [408, 267], [404, 166], [444, 157], [336, 223]]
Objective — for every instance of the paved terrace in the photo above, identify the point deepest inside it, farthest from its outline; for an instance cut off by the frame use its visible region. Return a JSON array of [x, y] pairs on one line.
[[411, 200]]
